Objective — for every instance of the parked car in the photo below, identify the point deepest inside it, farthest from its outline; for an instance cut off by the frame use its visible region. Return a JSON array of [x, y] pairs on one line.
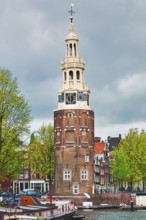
[[5, 194], [10, 201], [27, 192]]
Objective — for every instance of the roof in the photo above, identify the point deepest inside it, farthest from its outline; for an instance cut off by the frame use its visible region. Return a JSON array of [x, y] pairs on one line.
[[99, 147], [113, 142]]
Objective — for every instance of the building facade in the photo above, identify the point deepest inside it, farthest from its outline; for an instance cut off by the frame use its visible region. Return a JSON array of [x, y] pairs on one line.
[[103, 178], [73, 125], [28, 179]]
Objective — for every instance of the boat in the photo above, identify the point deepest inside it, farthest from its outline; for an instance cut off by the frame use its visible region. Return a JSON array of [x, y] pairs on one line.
[[30, 208]]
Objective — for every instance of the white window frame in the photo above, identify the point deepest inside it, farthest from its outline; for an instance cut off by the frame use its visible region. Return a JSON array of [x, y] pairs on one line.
[[87, 158], [67, 175], [102, 180], [84, 174], [26, 174], [75, 189]]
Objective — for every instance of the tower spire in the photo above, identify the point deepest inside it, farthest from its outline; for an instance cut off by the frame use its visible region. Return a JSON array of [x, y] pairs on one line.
[[71, 12], [73, 125]]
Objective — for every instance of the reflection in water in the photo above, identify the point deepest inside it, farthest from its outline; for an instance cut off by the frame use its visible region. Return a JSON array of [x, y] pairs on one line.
[[113, 215]]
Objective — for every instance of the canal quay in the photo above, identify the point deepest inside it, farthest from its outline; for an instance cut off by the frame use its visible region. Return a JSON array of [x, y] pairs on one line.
[[122, 206], [113, 214], [119, 206]]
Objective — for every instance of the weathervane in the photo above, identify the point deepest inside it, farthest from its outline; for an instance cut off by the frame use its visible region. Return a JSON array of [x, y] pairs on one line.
[[71, 12]]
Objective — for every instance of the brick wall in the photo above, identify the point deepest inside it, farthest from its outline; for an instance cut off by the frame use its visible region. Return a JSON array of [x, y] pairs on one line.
[[111, 199], [74, 138]]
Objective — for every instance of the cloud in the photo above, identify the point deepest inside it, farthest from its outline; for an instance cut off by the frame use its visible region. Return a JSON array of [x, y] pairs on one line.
[[123, 100], [133, 85], [111, 41], [115, 130], [38, 122]]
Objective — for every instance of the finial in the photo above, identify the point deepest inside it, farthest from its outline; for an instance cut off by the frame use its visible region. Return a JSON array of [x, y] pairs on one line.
[[71, 12]]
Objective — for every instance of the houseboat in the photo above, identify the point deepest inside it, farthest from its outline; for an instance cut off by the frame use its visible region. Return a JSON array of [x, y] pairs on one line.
[[30, 207]]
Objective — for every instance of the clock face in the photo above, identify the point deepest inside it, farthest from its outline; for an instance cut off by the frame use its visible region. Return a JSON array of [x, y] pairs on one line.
[[70, 98]]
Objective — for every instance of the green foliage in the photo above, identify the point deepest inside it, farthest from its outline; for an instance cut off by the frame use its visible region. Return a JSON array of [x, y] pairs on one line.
[[120, 167], [130, 158], [14, 121], [141, 155], [41, 151]]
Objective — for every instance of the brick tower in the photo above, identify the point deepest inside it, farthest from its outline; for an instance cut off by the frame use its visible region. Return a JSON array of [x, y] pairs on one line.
[[73, 125]]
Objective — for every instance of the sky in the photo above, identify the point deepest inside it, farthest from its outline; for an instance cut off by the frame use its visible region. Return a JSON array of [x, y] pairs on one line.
[[112, 42]]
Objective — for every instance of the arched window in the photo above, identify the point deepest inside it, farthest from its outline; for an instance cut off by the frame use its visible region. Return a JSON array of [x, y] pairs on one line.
[[70, 115], [71, 75], [70, 47], [75, 188], [78, 75], [65, 76], [75, 50]]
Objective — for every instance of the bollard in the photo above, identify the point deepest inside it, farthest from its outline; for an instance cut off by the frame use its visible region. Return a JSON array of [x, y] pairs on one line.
[[132, 205]]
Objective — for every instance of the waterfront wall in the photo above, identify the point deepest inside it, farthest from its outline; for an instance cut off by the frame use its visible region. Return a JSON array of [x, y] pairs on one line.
[[111, 199]]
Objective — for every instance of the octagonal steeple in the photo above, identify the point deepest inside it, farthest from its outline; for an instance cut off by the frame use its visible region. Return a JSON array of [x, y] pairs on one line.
[[73, 83]]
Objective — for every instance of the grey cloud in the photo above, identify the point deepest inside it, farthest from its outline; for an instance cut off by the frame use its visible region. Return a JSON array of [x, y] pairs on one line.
[[111, 41]]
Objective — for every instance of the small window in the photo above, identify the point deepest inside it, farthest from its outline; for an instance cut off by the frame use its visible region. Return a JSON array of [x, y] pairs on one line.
[[87, 99], [21, 186], [67, 174], [102, 180], [70, 115], [70, 75], [87, 158], [26, 174], [76, 189], [78, 75], [70, 48], [84, 175], [80, 96], [75, 49], [65, 76], [26, 185]]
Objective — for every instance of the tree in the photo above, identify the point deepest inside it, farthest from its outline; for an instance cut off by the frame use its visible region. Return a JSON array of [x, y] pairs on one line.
[[120, 168], [41, 152], [141, 157], [132, 151], [14, 123]]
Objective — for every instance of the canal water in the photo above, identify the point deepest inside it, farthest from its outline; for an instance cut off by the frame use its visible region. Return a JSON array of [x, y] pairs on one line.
[[113, 215]]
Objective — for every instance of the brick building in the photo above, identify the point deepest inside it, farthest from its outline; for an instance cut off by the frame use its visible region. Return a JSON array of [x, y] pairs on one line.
[[102, 168], [73, 126]]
